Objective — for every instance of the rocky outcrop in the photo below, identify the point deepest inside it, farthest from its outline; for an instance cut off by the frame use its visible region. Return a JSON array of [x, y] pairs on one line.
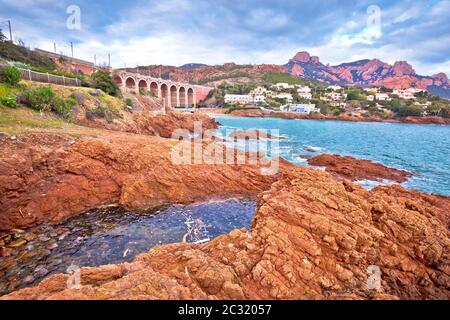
[[50, 177], [355, 169], [366, 72], [312, 237], [165, 125]]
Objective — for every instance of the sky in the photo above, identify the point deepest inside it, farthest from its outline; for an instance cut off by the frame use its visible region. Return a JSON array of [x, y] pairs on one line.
[[175, 32]]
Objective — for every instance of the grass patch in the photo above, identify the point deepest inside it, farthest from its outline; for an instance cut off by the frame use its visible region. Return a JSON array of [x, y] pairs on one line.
[[23, 117]]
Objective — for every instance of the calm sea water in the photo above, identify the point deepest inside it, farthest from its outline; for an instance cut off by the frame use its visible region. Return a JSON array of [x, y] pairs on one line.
[[421, 149]]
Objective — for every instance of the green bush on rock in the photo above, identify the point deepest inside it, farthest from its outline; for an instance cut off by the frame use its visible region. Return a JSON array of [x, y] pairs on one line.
[[39, 99], [9, 101], [10, 75]]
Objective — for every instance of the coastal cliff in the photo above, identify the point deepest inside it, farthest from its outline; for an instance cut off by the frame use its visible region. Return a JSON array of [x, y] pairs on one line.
[[312, 237], [50, 177]]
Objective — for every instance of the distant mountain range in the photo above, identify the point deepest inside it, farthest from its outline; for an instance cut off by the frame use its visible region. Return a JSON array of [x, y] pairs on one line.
[[368, 73], [359, 73]]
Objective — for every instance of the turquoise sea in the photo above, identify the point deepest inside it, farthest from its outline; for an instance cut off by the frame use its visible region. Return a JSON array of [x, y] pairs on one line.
[[423, 150]]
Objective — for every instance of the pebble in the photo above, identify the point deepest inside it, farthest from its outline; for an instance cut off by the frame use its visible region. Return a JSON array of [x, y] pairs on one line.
[[43, 238], [29, 237], [17, 243], [52, 246], [28, 279]]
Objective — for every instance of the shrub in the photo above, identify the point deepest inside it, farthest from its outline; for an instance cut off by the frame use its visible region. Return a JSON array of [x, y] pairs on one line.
[[100, 111], [129, 102], [9, 101], [39, 98], [11, 75], [62, 107], [104, 81]]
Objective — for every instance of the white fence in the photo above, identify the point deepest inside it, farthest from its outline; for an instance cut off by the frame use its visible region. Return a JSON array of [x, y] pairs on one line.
[[48, 78]]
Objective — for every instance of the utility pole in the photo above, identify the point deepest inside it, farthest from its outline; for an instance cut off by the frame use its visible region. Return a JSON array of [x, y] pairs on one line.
[[10, 31], [95, 59], [54, 45], [109, 60], [71, 47]]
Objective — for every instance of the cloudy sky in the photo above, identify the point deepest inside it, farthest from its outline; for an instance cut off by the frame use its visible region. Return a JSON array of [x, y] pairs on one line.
[[176, 32]]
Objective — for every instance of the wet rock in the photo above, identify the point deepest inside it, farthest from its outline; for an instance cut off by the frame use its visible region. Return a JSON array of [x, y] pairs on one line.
[[6, 252], [356, 169], [17, 243], [52, 245], [311, 238], [29, 237], [43, 238]]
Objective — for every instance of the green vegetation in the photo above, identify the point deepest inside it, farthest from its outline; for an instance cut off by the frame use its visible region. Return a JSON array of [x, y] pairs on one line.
[[9, 101], [224, 77], [274, 77], [12, 52], [10, 75], [62, 107], [129, 102], [103, 80], [39, 98]]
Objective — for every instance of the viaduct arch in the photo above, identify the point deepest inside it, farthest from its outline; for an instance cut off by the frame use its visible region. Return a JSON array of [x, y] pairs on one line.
[[174, 94]]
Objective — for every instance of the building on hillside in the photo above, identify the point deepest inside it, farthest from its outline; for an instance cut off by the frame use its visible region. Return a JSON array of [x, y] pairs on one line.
[[286, 96], [382, 97], [258, 97], [284, 86], [305, 95], [334, 88], [238, 98], [374, 90], [299, 108], [407, 94], [336, 96], [259, 90], [371, 98], [69, 64], [303, 89]]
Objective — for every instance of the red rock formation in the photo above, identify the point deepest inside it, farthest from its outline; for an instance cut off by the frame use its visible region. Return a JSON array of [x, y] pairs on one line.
[[312, 238], [165, 125], [403, 68], [355, 169], [49, 177], [364, 72]]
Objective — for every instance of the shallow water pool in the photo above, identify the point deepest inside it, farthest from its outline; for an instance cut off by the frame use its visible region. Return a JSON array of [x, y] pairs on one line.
[[115, 235]]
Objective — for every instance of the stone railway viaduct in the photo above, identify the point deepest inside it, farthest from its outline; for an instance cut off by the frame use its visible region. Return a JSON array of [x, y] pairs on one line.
[[174, 94]]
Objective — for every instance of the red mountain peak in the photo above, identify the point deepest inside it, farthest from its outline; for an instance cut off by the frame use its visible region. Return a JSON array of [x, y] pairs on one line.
[[403, 68]]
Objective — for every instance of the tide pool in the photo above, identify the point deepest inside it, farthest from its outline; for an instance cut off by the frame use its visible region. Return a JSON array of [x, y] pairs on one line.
[[423, 150]]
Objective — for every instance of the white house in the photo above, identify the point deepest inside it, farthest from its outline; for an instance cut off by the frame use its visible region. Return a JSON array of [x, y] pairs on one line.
[[371, 98], [303, 89], [299, 108], [335, 96], [305, 95], [286, 96], [382, 97], [375, 90], [283, 85], [259, 90], [258, 97], [334, 88], [407, 94], [238, 98]]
